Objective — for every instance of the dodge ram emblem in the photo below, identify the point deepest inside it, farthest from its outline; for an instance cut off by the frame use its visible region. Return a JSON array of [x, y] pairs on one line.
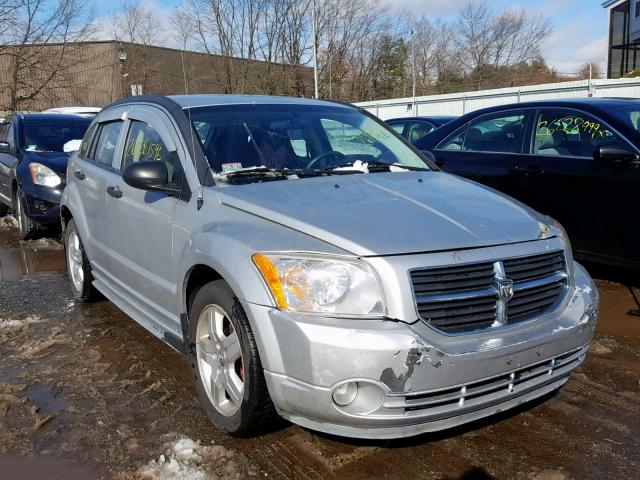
[[505, 290]]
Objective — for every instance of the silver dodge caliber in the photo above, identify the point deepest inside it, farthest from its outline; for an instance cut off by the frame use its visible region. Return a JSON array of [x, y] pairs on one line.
[[314, 266]]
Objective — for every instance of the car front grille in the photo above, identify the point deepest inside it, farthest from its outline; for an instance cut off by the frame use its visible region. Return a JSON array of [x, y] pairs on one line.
[[472, 297]]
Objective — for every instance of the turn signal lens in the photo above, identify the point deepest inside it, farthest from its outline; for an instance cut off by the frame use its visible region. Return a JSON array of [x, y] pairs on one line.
[[270, 275]]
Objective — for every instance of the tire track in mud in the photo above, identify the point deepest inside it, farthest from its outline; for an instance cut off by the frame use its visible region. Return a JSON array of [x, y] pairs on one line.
[[602, 395]]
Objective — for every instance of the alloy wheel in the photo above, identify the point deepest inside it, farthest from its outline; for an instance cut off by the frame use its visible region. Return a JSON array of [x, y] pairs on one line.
[[74, 260], [220, 361]]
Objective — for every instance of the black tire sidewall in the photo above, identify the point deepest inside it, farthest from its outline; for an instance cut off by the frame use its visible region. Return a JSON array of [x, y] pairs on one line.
[[28, 226], [219, 293]]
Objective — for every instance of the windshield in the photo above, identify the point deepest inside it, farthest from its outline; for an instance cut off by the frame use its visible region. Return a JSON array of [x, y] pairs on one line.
[[304, 138], [51, 136]]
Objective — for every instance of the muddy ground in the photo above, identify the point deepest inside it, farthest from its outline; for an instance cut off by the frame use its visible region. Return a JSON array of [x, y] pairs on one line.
[[86, 393]]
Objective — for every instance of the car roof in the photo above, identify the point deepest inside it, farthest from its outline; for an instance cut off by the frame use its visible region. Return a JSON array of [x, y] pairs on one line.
[[424, 117], [55, 117], [600, 103], [205, 100]]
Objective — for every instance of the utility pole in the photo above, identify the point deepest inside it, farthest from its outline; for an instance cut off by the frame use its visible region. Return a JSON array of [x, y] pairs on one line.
[[315, 49], [330, 74], [413, 72]]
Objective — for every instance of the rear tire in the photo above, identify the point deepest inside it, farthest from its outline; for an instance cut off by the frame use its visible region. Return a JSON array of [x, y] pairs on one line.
[[78, 266], [3, 210], [27, 228], [226, 364]]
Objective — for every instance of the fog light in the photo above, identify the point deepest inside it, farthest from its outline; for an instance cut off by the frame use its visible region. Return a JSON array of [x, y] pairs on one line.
[[345, 393]]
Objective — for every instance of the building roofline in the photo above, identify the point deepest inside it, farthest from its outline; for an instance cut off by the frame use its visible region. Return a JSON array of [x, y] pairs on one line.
[[612, 3], [159, 47]]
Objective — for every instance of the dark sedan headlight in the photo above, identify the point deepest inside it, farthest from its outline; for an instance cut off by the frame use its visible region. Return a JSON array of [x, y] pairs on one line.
[[43, 175]]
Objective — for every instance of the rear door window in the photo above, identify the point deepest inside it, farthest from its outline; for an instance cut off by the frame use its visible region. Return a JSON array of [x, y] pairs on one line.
[[106, 141], [569, 133], [397, 126], [498, 133]]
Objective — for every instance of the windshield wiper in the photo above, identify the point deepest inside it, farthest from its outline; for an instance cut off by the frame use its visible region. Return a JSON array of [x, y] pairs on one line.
[[263, 173], [370, 165]]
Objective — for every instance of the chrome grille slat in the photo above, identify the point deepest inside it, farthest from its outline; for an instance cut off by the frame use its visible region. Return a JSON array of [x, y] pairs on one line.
[[455, 399], [465, 298]]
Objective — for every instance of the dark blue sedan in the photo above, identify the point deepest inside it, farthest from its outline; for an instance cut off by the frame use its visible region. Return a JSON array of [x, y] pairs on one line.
[[576, 160], [34, 149]]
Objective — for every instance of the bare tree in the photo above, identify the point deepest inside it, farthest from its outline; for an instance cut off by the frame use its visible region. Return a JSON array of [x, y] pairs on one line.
[[487, 40], [136, 22], [36, 69]]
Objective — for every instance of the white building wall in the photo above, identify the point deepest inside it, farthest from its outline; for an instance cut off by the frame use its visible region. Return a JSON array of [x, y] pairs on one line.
[[461, 103]]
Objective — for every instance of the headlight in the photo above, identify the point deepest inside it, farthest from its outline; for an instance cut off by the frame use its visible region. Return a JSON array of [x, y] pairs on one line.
[[43, 175], [324, 285]]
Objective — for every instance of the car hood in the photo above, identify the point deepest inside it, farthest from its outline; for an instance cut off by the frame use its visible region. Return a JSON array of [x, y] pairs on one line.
[[390, 213], [56, 161]]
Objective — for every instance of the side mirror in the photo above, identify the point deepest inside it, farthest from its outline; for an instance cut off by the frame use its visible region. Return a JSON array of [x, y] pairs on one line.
[[615, 154], [5, 147], [150, 175]]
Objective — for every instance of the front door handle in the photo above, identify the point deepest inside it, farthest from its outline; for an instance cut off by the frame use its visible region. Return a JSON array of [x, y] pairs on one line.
[[534, 171], [79, 174], [115, 192]]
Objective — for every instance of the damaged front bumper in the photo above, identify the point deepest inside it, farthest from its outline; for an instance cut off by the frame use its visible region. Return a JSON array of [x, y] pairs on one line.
[[409, 379]]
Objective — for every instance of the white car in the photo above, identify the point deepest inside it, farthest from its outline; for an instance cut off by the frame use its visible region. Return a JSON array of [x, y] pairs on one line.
[[83, 111]]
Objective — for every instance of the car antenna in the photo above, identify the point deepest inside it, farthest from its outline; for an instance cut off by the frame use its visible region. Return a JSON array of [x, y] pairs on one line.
[[200, 199]]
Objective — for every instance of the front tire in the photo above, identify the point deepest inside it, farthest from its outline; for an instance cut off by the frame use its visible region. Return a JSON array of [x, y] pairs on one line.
[[27, 228], [78, 266], [226, 364]]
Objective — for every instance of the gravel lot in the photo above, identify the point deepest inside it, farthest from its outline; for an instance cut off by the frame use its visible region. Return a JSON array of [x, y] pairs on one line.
[[86, 393]]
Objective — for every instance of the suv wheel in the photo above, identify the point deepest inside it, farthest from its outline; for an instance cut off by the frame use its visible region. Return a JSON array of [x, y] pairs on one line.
[[225, 362], [78, 266], [3, 210], [27, 228]]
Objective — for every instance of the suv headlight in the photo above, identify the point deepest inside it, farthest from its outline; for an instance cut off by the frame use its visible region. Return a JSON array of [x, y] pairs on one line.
[[323, 285], [43, 175]]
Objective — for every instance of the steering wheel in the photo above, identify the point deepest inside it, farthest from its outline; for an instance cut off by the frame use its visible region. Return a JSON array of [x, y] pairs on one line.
[[317, 158]]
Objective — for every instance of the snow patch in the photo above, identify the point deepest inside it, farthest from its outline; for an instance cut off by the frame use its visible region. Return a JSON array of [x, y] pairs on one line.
[[43, 244], [8, 222], [358, 166], [186, 459], [15, 323]]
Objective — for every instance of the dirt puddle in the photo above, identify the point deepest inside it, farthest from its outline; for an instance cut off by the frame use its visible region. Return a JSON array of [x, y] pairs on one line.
[[14, 264], [19, 258]]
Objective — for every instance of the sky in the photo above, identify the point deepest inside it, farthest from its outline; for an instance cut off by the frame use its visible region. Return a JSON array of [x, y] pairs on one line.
[[579, 26]]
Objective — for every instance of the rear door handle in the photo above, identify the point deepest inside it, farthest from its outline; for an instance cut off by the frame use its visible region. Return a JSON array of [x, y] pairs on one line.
[[115, 192], [79, 174]]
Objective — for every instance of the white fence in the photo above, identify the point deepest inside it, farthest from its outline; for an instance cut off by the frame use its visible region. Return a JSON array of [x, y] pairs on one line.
[[461, 103]]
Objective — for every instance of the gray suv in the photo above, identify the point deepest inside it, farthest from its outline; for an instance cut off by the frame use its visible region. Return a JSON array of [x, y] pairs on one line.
[[314, 266]]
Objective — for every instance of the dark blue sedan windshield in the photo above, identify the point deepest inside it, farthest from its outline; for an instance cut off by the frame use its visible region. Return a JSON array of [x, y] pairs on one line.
[[51, 136]]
